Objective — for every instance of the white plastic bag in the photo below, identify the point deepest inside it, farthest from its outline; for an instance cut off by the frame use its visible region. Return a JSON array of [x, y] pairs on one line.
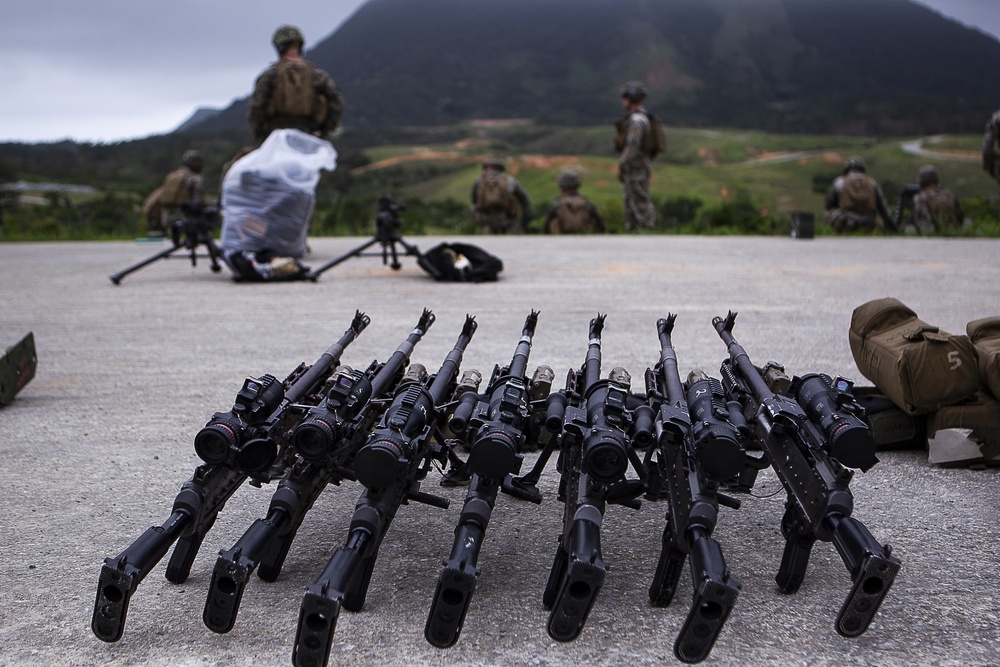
[[268, 195]]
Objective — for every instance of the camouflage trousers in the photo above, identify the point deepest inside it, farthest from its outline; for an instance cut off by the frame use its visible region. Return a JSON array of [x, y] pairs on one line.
[[845, 222], [497, 223], [639, 211]]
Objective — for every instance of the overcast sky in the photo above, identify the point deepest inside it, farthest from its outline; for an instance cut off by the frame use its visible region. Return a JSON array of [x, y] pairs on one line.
[[109, 70]]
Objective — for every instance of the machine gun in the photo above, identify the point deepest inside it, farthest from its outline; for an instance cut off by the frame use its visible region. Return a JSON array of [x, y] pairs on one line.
[[326, 440], [496, 426], [249, 441], [592, 423], [391, 465], [387, 235], [194, 229], [808, 442], [699, 443]]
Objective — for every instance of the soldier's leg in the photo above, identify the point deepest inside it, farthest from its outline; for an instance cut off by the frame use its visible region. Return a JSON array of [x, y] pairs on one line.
[[639, 211]]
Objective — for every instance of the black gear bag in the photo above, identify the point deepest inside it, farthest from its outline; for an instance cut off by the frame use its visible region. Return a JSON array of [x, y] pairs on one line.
[[460, 262]]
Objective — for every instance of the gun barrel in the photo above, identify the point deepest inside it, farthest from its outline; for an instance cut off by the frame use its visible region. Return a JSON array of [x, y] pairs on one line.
[[592, 365], [327, 360], [449, 369], [739, 356], [668, 362], [519, 364], [385, 377]]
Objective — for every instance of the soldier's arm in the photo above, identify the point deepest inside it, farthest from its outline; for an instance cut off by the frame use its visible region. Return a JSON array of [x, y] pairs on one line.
[[636, 126], [598, 221], [522, 197], [334, 100], [883, 209], [989, 144], [259, 101]]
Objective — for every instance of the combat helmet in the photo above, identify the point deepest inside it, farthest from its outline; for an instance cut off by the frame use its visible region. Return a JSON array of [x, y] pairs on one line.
[[193, 160], [569, 180], [854, 163], [287, 35], [928, 175], [495, 163], [634, 90]]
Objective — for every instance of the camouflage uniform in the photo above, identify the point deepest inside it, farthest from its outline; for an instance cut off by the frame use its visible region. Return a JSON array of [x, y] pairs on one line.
[[163, 206], [634, 165], [857, 214], [571, 212], [266, 113], [991, 147], [935, 208], [501, 219]]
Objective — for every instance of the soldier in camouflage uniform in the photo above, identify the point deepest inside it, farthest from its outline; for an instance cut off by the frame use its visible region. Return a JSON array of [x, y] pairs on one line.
[[634, 165], [499, 203], [294, 93], [855, 201], [570, 212], [935, 208], [991, 148], [162, 207]]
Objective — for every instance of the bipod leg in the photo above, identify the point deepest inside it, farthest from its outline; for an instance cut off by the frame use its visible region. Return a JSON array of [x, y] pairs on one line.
[[116, 278], [215, 255], [315, 273]]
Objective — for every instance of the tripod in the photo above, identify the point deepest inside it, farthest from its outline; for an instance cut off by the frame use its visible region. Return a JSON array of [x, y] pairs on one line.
[[387, 225], [191, 231]]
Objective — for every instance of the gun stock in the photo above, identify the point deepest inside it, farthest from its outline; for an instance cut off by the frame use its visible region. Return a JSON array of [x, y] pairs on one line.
[[820, 503], [391, 464]]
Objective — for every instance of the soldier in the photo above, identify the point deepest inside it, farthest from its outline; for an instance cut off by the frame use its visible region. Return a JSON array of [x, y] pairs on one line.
[[855, 199], [934, 207], [635, 131], [162, 207], [991, 147], [497, 198], [570, 212], [293, 92]]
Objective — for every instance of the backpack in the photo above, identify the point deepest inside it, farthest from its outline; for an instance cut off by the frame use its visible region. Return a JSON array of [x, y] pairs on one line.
[[494, 193], [460, 262], [174, 190], [572, 216], [941, 203], [654, 141], [858, 194], [294, 94]]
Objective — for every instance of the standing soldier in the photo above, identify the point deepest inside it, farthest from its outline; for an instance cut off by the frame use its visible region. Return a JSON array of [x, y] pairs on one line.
[[293, 93], [935, 208], [162, 207], [497, 198], [571, 212], [855, 199], [640, 138], [991, 147]]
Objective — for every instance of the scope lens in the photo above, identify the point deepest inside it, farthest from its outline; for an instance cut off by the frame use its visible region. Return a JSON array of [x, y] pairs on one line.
[[605, 458], [212, 444], [313, 439], [257, 455], [378, 463]]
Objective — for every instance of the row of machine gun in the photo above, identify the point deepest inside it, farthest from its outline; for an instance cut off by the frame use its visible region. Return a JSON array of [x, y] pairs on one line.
[[387, 426]]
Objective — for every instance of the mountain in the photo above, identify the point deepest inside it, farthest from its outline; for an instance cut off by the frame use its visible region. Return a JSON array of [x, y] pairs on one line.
[[822, 66]]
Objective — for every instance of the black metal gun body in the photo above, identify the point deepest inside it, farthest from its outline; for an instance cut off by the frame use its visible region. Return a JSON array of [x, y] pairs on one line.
[[391, 465], [819, 503], [593, 423], [695, 448], [495, 426], [326, 440], [248, 442]]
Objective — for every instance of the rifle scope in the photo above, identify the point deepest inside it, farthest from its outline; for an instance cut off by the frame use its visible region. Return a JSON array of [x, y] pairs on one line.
[[228, 433], [829, 404]]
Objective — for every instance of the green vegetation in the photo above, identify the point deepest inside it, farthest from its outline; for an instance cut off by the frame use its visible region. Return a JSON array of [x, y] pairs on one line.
[[710, 182]]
